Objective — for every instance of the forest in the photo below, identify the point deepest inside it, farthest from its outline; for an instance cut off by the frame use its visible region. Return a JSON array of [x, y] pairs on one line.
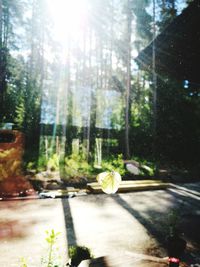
[[69, 80]]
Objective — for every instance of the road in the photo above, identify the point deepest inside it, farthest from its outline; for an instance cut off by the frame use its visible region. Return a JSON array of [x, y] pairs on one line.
[[108, 224]]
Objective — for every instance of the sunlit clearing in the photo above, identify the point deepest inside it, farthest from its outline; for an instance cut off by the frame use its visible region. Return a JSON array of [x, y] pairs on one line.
[[69, 18]]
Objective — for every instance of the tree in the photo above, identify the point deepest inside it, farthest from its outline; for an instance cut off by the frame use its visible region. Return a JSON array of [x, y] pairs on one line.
[[168, 12], [128, 85]]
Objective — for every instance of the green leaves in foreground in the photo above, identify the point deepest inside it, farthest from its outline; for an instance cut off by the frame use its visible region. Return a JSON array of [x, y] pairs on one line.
[[23, 262], [109, 181], [51, 240]]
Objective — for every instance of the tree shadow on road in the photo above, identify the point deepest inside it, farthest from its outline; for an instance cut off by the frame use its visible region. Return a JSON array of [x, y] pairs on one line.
[[157, 225], [189, 216], [149, 225], [69, 224]]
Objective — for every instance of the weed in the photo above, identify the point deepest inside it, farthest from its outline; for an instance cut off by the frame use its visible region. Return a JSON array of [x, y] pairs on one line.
[[76, 253], [51, 240], [23, 262]]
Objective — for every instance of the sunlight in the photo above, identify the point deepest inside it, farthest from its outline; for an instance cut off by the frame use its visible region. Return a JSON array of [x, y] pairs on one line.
[[69, 18]]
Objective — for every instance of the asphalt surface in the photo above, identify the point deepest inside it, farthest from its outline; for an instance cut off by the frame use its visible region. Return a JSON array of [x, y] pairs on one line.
[[108, 224]]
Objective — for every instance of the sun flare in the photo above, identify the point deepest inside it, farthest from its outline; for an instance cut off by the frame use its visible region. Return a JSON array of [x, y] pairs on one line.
[[69, 18]]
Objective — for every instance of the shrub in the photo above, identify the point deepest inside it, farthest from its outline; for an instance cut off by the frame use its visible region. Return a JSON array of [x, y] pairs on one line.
[[77, 254], [114, 164], [75, 165], [53, 163]]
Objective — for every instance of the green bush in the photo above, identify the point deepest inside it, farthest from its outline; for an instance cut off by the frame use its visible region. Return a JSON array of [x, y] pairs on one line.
[[78, 254], [42, 163], [75, 165], [147, 168], [53, 163], [114, 164]]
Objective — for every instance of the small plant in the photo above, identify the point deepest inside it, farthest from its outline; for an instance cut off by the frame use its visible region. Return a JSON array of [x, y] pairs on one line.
[[77, 254], [51, 240], [23, 262]]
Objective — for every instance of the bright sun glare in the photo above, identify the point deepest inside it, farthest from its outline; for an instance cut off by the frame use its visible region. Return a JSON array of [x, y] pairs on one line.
[[69, 18]]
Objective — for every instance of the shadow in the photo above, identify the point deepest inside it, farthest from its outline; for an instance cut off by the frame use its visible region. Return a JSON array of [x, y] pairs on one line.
[[96, 262], [186, 199], [69, 225], [189, 216], [95, 199], [151, 227], [157, 223], [190, 226]]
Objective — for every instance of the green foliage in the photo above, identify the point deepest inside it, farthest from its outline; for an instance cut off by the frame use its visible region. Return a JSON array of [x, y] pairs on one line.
[[147, 168], [168, 12], [114, 163], [143, 34], [53, 163], [52, 237], [75, 165], [52, 259], [20, 115], [51, 240], [141, 119], [33, 86], [31, 165], [23, 262], [42, 163], [179, 126], [77, 254]]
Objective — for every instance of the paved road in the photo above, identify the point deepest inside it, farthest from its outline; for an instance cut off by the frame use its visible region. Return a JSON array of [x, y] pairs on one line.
[[22, 230], [135, 221], [108, 224]]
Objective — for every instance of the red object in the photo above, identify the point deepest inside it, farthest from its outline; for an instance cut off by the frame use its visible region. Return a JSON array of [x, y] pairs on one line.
[[12, 181], [175, 260]]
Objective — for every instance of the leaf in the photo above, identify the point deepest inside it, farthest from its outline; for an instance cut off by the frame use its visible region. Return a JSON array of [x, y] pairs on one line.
[[23, 262], [109, 181]]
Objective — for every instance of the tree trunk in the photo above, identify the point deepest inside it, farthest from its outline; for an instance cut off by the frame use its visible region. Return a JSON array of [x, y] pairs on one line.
[[128, 82], [4, 28], [1, 61], [1, 23], [154, 76]]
